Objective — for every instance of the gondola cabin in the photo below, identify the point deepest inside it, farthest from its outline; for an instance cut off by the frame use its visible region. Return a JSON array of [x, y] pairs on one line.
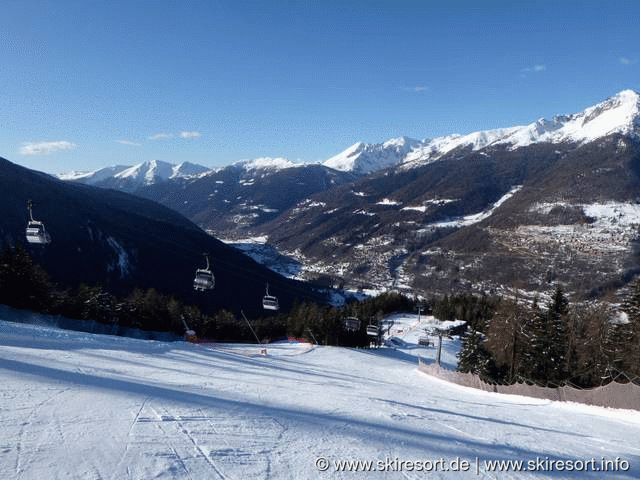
[[37, 234], [351, 324], [269, 302], [204, 280]]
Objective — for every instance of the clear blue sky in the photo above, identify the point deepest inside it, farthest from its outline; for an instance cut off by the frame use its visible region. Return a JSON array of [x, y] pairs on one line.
[[86, 84]]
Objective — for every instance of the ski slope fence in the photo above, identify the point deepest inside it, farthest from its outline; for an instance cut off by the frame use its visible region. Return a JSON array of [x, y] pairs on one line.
[[612, 395]]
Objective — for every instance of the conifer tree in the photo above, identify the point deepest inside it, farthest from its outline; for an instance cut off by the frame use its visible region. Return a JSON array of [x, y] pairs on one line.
[[531, 328], [534, 353], [472, 357], [23, 284], [588, 334], [506, 341], [557, 342]]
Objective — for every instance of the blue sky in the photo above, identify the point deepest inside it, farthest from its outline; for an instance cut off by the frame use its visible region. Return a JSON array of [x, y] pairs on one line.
[[86, 84]]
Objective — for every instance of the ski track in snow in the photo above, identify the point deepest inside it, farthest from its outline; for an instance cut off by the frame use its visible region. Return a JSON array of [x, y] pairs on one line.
[[76, 405]]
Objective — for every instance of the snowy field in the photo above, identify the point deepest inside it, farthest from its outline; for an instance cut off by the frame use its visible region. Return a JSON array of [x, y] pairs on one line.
[[77, 405]]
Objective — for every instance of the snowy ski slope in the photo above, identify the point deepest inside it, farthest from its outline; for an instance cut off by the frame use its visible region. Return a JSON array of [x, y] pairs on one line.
[[81, 406]]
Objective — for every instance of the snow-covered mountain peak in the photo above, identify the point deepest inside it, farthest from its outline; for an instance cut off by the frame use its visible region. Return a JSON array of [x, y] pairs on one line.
[[349, 153], [130, 177], [626, 97], [147, 172], [617, 114], [402, 143], [619, 111], [432, 149], [92, 176], [365, 158], [267, 163], [188, 169]]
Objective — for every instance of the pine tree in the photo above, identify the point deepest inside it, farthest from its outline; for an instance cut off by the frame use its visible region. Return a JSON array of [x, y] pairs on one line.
[[557, 337], [506, 341], [631, 305], [473, 358], [548, 342], [532, 349], [23, 284], [588, 334], [539, 355]]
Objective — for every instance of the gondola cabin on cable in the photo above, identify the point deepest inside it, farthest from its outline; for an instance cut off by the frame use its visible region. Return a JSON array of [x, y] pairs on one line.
[[36, 233], [204, 279], [269, 302], [352, 324], [372, 330]]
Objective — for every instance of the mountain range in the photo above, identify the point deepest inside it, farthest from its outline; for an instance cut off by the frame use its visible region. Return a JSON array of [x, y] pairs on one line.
[[618, 114], [520, 207], [130, 178], [121, 241]]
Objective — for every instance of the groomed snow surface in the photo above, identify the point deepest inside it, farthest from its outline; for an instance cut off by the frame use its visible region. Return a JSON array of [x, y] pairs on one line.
[[76, 405]]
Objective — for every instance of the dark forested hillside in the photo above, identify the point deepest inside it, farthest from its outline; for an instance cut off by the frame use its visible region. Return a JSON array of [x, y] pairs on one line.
[[120, 241]]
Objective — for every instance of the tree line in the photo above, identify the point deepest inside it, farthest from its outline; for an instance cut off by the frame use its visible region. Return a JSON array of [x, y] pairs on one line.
[[25, 285]]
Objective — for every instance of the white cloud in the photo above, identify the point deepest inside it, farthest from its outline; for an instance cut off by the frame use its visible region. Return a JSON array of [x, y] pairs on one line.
[[160, 136], [534, 69], [45, 148], [416, 89], [627, 61], [184, 134], [128, 142]]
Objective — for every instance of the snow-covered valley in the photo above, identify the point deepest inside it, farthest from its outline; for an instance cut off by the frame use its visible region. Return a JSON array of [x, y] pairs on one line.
[[77, 405]]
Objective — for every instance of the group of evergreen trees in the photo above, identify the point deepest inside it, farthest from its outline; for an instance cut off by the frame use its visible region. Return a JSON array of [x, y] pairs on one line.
[[470, 308], [24, 285], [325, 324], [584, 345]]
